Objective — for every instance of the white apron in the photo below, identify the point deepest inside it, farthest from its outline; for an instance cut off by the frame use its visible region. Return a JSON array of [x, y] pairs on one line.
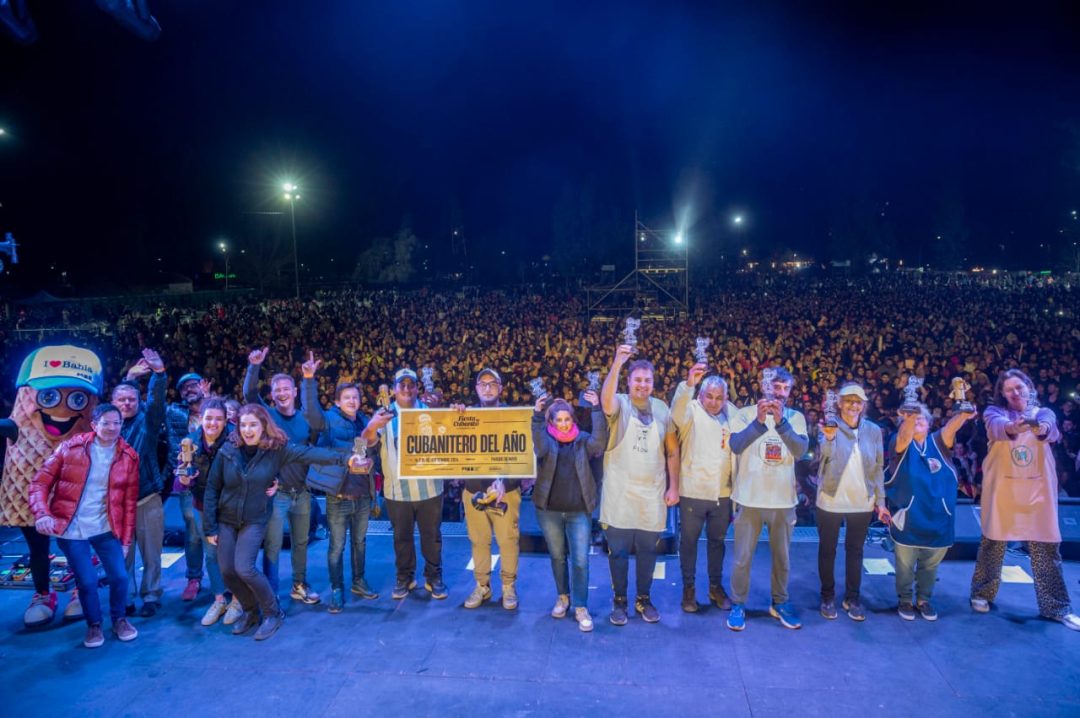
[[635, 478]]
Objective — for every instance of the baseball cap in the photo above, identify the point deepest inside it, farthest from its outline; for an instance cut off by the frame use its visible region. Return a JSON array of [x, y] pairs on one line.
[[405, 373], [60, 366], [490, 372], [186, 378], [853, 390]]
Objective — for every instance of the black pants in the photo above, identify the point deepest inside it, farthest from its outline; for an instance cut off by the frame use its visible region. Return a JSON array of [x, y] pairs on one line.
[[237, 550], [715, 517], [828, 537], [643, 543], [38, 544], [404, 516]]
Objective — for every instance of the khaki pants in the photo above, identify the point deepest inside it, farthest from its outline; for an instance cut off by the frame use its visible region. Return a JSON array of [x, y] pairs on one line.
[[149, 537], [481, 526], [748, 522]]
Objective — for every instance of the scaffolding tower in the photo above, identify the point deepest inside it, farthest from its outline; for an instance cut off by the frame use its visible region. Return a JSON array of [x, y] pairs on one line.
[[658, 286]]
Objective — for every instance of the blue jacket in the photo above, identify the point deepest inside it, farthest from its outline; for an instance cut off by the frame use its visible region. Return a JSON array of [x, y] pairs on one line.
[[142, 432], [296, 427], [338, 431]]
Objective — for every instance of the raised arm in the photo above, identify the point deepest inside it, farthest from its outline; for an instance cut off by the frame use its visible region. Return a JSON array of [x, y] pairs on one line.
[[906, 432], [948, 432], [251, 377], [611, 382], [680, 405], [541, 443], [156, 390], [309, 395], [598, 437]]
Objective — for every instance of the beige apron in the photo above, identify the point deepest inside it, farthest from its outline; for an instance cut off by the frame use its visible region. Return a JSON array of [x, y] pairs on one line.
[[635, 478], [1020, 491]]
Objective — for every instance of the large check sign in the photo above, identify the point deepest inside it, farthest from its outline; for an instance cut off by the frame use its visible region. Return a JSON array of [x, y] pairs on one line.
[[479, 444]]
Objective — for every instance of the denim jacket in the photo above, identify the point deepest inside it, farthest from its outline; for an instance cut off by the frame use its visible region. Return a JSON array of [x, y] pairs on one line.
[[836, 453]]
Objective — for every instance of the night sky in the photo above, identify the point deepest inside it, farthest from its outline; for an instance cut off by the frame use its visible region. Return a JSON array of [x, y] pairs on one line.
[[497, 116]]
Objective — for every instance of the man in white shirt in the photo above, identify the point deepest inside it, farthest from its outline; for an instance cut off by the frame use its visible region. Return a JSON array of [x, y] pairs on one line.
[[774, 437], [704, 427]]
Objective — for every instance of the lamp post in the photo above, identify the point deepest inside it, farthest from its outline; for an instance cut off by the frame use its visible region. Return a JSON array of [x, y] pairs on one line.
[[292, 193], [225, 250]]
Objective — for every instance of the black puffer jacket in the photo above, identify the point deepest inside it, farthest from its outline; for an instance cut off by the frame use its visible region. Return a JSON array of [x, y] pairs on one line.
[[203, 460], [236, 494]]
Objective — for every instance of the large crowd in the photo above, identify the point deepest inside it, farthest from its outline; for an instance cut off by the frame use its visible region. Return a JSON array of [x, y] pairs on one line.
[[877, 331], [769, 400]]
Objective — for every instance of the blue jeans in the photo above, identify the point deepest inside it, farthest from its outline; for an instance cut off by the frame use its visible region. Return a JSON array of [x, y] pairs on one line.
[[576, 529], [193, 537], [297, 507], [108, 549], [927, 560], [217, 583], [347, 515]]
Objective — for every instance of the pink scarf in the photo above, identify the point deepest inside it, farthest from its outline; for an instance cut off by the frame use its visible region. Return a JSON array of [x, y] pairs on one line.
[[564, 437]]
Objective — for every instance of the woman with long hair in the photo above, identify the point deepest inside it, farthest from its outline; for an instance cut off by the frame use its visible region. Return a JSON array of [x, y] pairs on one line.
[[1019, 498], [236, 508]]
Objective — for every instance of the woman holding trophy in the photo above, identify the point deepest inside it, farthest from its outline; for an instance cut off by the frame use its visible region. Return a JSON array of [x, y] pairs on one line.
[[1020, 498], [565, 496], [852, 491]]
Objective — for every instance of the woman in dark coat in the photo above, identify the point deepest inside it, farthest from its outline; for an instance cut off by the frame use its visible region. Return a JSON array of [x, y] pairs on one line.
[[565, 497], [236, 508]]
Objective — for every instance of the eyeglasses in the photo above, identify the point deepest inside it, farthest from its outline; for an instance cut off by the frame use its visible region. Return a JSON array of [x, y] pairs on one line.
[[487, 385]]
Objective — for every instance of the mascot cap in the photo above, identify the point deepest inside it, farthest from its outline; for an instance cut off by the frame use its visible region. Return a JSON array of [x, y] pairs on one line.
[[62, 366]]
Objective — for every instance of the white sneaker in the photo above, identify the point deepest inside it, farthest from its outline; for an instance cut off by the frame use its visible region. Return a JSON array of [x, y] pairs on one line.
[[478, 596], [980, 605], [1071, 620], [584, 620], [233, 612], [216, 610], [562, 605]]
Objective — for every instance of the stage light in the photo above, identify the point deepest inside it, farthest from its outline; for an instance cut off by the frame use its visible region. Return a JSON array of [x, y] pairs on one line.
[[737, 219], [678, 238], [4, 132], [289, 186]]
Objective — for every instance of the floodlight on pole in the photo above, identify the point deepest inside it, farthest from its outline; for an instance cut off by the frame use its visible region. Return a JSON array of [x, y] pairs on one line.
[[225, 250], [291, 195]]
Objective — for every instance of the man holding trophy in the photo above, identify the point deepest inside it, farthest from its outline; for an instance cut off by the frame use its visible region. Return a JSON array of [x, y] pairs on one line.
[[704, 427], [769, 437], [492, 507], [349, 491], [641, 478]]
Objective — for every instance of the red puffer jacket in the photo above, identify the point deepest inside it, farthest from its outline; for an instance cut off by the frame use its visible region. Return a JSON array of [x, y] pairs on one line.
[[58, 487]]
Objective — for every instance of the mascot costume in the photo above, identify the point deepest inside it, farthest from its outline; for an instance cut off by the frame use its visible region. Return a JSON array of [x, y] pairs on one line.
[[58, 388]]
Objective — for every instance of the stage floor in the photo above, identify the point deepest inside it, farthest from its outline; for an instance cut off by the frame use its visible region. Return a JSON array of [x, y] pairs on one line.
[[422, 657]]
